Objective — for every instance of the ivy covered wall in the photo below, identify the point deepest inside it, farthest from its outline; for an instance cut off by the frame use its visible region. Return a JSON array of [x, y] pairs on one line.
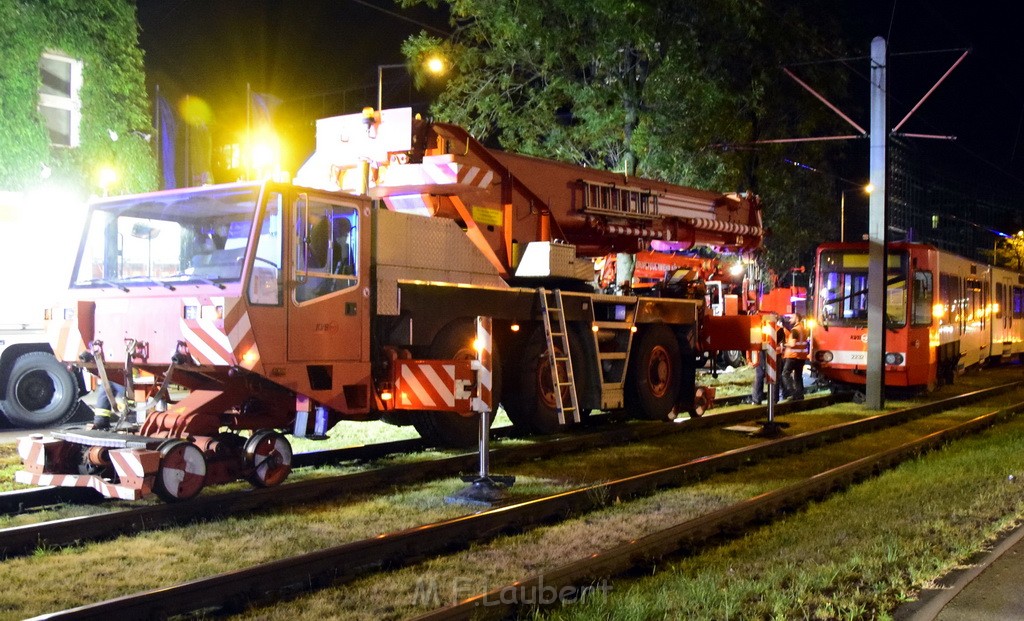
[[104, 35]]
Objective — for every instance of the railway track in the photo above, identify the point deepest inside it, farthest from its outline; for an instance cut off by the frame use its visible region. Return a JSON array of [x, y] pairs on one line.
[[17, 501], [238, 588], [24, 539]]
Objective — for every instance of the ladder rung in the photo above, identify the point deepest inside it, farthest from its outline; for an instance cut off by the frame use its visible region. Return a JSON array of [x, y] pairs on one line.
[[612, 355], [561, 358]]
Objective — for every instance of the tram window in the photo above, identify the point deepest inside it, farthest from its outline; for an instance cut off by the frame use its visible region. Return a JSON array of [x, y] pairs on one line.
[[975, 301], [949, 295], [896, 303], [1000, 299], [924, 295], [1018, 302]]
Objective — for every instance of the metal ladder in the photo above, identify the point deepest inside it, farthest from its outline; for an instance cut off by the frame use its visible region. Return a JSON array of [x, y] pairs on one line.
[[558, 382]]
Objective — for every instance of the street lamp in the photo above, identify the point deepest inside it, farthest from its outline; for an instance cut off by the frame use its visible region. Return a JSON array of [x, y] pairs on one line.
[[867, 189], [433, 64]]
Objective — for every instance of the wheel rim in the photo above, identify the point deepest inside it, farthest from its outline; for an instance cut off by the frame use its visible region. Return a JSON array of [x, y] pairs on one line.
[[270, 457], [38, 390], [659, 372], [545, 384], [182, 472]]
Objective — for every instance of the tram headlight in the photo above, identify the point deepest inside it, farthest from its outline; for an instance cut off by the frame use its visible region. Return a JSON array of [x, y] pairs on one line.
[[893, 358], [823, 356]]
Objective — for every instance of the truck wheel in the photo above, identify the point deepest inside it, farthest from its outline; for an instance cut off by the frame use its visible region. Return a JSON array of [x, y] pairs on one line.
[[531, 406], [655, 374], [455, 342], [41, 391]]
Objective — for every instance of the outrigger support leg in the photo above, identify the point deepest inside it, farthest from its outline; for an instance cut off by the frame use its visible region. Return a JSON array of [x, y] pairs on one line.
[[485, 489]]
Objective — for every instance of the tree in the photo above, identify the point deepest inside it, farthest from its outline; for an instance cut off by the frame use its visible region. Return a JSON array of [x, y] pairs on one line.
[[658, 88], [103, 35]]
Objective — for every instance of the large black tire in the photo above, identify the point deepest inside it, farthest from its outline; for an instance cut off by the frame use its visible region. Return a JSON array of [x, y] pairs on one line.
[[41, 391], [531, 405], [654, 377], [455, 341]]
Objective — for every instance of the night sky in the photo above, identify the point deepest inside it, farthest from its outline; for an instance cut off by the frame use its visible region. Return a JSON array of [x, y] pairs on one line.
[[323, 54]]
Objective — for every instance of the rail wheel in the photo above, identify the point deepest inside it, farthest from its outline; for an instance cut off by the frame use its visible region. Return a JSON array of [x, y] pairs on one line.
[[41, 391], [268, 456], [455, 342], [532, 406], [655, 374], [182, 471]]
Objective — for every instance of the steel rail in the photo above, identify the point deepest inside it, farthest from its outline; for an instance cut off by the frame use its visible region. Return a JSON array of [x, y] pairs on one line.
[[24, 539], [569, 581], [18, 501], [236, 589]]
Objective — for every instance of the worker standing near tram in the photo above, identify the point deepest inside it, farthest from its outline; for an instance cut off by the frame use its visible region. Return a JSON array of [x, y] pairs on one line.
[[794, 356]]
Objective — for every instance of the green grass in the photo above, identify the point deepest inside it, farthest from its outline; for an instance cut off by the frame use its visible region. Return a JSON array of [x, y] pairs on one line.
[[857, 555], [836, 560]]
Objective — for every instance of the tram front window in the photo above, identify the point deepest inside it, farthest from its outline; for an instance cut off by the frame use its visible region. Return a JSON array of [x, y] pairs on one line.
[[843, 290]]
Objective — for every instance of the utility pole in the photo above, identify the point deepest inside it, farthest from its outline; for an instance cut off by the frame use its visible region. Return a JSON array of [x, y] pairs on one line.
[[877, 232]]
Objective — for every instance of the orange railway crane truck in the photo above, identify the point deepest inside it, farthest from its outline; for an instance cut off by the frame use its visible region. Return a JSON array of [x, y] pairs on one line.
[[352, 293]]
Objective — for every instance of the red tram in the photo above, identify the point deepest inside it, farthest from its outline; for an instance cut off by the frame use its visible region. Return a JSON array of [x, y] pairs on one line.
[[944, 313]]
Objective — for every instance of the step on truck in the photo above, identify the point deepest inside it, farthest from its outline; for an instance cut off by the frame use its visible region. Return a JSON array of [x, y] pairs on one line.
[[352, 294]]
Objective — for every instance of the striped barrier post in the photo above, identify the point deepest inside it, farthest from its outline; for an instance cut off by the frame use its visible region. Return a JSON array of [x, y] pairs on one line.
[[483, 489], [484, 384], [770, 367]]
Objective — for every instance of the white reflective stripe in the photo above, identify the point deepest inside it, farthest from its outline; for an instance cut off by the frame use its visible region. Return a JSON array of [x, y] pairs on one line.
[[196, 342], [445, 391], [241, 329], [412, 383]]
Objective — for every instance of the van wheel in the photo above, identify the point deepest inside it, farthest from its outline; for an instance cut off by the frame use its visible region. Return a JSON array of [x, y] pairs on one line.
[[41, 391]]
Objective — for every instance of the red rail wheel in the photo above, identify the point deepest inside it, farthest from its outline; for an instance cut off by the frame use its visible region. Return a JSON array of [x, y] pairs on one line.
[[182, 471], [268, 456]]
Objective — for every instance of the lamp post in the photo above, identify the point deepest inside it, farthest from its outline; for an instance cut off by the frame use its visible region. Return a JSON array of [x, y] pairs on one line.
[[842, 209], [433, 64]]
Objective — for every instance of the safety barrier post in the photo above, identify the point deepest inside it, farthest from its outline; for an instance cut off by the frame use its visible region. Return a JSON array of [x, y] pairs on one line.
[[484, 489], [770, 352]]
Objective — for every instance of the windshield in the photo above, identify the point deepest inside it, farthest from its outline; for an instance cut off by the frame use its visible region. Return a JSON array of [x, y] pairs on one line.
[[843, 293], [197, 235]]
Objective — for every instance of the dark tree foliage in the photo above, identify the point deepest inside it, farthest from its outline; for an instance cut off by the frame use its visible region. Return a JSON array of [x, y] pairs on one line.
[[668, 89], [104, 35]]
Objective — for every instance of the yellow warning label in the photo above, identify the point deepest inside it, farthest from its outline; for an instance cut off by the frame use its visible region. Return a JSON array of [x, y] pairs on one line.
[[486, 215]]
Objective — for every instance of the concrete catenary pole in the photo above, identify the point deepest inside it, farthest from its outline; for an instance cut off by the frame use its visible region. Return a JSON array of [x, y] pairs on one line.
[[877, 232]]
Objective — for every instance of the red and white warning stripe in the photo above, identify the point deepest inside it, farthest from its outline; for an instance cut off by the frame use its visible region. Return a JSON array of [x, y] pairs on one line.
[[65, 338], [476, 176], [434, 384], [206, 338], [485, 348], [733, 228], [239, 330], [135, 468], [771, 353]]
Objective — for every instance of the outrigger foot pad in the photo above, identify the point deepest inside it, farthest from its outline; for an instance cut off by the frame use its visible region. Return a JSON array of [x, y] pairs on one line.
[[482, 491]]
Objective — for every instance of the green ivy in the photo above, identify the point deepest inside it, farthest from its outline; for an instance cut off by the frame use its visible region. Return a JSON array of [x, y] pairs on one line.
[[104, 35]]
